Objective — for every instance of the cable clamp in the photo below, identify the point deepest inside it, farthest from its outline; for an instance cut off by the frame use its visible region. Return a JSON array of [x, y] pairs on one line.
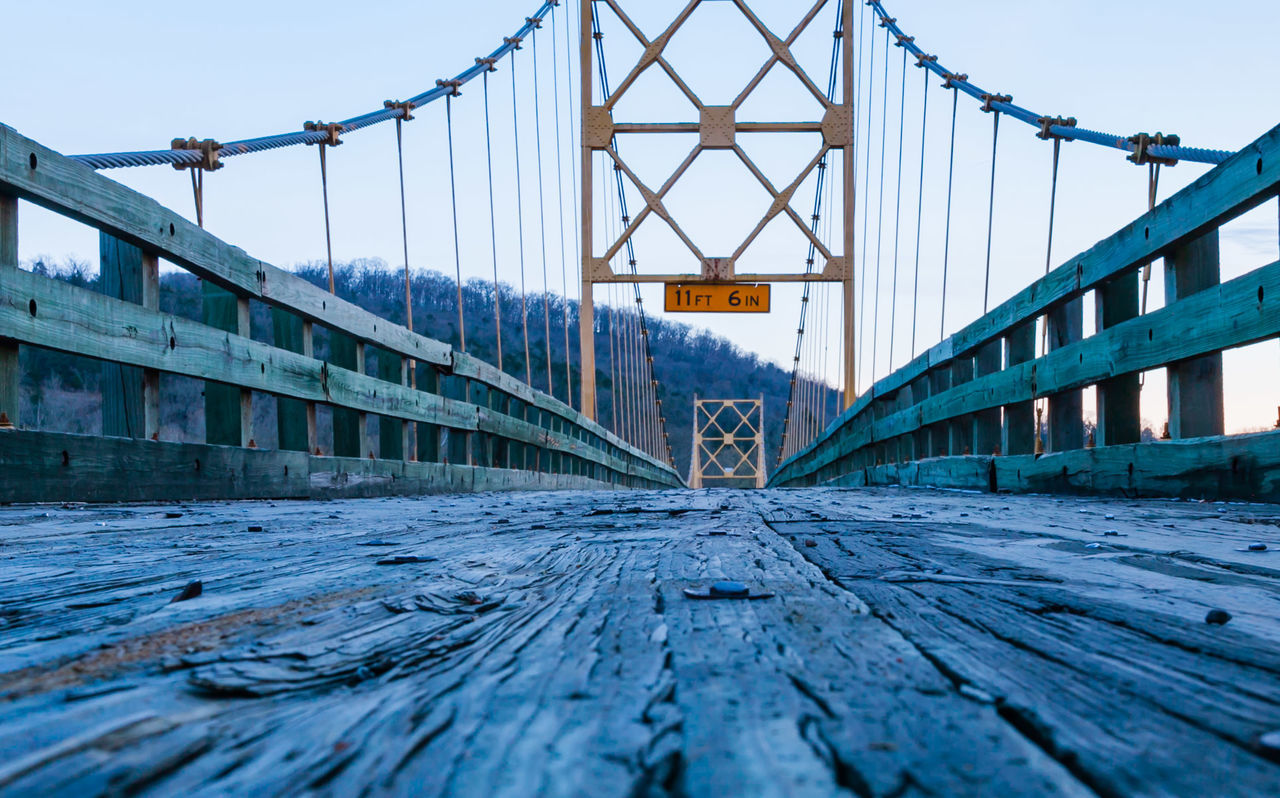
[[904, 40], [513, 40], [534, 21], [404, 108], [1047, 123], [488, 61], [1142, 144], [453, 84], [952, 78], [208, 150], [334, 129], [923, 58], [988, 99], [887, 21]]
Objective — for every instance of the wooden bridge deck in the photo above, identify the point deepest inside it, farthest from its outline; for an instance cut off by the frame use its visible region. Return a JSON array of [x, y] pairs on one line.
[[921, 642]]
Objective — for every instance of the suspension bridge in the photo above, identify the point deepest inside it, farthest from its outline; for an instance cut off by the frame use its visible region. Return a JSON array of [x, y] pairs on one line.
[[466, 554]]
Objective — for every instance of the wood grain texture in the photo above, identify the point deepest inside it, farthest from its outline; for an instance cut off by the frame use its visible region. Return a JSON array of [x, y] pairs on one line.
[[59, 467], [920, 643]]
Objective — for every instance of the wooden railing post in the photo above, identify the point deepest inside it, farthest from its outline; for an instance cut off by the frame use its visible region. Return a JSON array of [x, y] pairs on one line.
[[295, 419], [1066, 409], [391, 431], [1019, 418], [939, 434], [130, 395], [961, 429], [429, 434], [920, 438], [348, 425], [10, 374], [1119, 419], [986, 423], [1195, 385], [228, 410]]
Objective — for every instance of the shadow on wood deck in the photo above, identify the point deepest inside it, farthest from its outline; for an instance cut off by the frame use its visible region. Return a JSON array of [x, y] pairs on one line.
[[922, 642]]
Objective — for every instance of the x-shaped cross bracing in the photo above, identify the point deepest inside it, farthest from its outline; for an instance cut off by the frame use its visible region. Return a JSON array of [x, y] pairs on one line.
[[717, 127]]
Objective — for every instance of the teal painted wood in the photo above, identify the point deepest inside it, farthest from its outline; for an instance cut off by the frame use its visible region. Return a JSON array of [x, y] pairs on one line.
[[1112, 359], [347, 427], [1119, 417], [222, 421], [55, 466], [1194, 386], [391, 432], [10, 369], [121, 277], [81, 321], [292, 429]]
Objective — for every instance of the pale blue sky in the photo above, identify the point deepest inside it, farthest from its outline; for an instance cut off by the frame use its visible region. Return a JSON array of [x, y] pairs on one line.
[[91, 77]]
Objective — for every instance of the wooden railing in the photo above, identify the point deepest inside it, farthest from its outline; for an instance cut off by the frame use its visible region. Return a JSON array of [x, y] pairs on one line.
[[962, 414], [453, 423]]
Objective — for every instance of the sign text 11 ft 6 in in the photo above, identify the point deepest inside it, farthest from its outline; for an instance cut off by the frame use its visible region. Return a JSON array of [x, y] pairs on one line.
[[716, 298]]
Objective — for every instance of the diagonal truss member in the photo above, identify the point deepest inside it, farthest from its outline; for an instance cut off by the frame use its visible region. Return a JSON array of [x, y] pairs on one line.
[[717, 128]]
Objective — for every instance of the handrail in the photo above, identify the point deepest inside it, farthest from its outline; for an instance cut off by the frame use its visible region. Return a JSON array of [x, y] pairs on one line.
[[1242, 182], [83, 322]]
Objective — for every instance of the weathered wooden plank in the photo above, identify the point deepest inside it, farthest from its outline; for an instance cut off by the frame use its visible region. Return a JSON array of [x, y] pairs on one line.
[[1019, 433], [56, 467], [1119, 419], [295, 420], [1195, 386], [1065, 415], [130, 405], [1241, 183], [1242, 311], [44, 177], [348, 423], [80, 321], [10, 372], [391, 432], [1098, 675], [224, 411]]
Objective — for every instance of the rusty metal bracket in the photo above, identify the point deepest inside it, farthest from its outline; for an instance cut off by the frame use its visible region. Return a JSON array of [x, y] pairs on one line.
[[208, 150], [334, 129], [988, 99], [1048, 122], [1142, 143], [452, 84], [951, 78], [405, 108], [489, 62], [923, 58]]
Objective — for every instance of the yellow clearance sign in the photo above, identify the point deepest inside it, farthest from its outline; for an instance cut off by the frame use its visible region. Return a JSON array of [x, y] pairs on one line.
[[716, 298]]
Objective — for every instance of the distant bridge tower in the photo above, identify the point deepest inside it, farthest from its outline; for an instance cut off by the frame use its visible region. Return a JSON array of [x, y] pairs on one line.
[[728, 441], [717, 128]]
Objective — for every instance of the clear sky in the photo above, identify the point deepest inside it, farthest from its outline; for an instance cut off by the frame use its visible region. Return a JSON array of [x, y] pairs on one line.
[[92, 77]]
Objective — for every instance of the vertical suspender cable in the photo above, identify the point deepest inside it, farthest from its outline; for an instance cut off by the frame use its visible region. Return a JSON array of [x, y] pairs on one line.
[[493, 223], [1053, 204], [564, 280], [453, 201], [897, 212], [915, 284], [524, 303], [866, 183], [324, 190], [991, 207], [197, 192], [884, 127], [542, 217], [412, 364], [946, 238]]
